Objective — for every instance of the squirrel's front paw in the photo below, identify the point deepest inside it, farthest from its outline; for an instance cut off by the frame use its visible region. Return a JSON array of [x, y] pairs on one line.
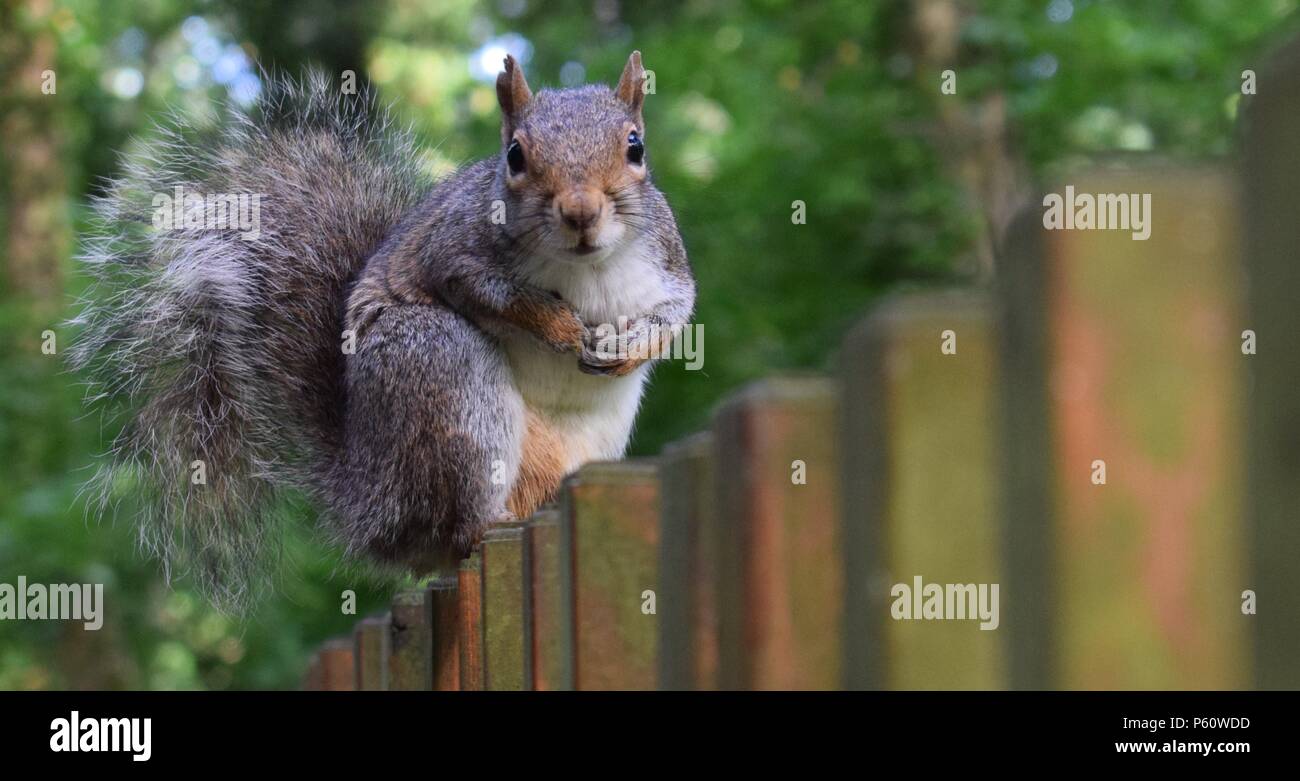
[[551, 320], [590, 363], [566, 332], [613, 355]]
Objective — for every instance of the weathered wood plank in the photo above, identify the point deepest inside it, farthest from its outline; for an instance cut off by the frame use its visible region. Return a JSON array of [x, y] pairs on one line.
[[550, 665], [1126, 352], [370, 651], [1030, 548], [920, 491], [504, 655], [780, 575], [611, 525], [1272, 211], [444, 611], [410, 658], [688, 619], [470, 590], [337, 669]]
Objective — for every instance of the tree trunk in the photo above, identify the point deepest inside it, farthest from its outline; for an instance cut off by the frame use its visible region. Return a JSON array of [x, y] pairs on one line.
[[35, 217]]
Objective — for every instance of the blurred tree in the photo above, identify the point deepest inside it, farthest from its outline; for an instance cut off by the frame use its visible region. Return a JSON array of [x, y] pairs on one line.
[[35, 202]]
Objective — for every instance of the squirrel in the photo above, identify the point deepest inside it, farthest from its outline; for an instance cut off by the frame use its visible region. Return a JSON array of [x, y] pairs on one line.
[[479, 310]]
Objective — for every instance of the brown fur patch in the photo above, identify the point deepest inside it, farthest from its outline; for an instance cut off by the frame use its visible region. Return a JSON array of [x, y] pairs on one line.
[[550, 320], [541, 467]]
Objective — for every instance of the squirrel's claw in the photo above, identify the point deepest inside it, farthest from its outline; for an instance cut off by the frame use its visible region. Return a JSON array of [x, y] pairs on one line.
[[598, 371], [592, 363]]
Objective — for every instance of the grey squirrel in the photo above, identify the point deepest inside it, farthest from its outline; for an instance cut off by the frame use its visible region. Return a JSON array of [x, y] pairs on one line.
[[476, 378]]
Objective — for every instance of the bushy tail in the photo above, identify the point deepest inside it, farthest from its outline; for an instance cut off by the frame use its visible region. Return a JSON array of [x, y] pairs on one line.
[[222, 340]]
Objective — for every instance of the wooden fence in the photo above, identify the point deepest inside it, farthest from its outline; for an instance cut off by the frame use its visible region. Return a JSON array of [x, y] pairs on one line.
[[1111, 435]]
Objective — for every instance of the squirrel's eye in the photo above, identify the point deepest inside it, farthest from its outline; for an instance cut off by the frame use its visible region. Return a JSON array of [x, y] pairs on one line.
[[635, 148], [515, 158]]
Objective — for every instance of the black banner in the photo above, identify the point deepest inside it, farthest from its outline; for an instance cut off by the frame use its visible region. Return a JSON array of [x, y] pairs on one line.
[[329, 730]]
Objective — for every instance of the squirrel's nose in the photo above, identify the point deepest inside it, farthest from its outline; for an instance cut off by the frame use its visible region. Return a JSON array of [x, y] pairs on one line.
[[579, 221], [578, 209]]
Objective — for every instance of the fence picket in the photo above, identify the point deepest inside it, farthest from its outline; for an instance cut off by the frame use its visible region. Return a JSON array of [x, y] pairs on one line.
[[504, 656], [550, 647], [470, 635], [688, 619], [1122, 374], [370, 649], [780, 573], [611, 529], [410, 657], [444, 613], [1271, 211], [920, 470]]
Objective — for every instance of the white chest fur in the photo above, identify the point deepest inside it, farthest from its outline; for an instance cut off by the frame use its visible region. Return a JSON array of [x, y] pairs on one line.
[[593, 413]]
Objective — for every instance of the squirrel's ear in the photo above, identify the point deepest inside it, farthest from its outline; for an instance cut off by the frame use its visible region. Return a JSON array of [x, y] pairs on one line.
[[631, 87], [512, 93]]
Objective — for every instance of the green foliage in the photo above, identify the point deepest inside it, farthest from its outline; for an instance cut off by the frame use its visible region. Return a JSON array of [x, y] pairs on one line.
[[1121, 77], [757, 105]]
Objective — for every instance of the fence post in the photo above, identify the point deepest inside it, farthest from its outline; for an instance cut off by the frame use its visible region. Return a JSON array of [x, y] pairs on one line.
[[611, 530], [502, 586], [1122, 369], [550, 651], [688, 620], [470, 635], [920, 492], [336, 668], [444, 612], [410, 659], [370, 650], [780, 574], [1272, 211]]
